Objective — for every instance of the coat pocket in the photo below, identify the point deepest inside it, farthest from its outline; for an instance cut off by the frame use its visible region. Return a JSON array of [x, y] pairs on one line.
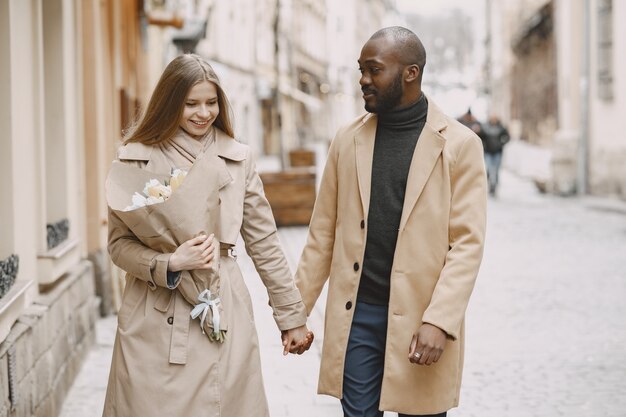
[[134, 293]]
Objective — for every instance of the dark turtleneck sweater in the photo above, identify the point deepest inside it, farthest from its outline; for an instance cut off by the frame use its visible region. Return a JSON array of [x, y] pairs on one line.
[[396, 136]]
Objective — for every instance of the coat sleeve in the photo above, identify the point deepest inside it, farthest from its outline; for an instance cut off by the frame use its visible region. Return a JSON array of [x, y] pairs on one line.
[[466, 236], [314, 266], [128, 253], [259, 233]]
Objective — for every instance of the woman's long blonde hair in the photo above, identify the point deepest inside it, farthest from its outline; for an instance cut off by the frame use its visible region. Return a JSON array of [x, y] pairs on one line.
[[161, 119]]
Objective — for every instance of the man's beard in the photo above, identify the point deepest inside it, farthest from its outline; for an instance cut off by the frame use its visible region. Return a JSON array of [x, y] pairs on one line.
[[388, 100]]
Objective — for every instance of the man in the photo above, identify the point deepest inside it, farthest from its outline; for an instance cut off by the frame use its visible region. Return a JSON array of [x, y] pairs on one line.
[[468, 120], [398, 226], [494, 137]]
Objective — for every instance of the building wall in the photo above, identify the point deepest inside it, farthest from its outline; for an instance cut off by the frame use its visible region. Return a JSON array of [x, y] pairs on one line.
[[43, 353], [73, 75], [235, 65], [607, 150], [308, 81], [590, 146], [510, 73], [587, 147], [343, 53], [47, 317]]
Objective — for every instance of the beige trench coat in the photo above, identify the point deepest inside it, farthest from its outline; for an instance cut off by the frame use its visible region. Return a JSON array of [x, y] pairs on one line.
[[162, 363], [438, 253]]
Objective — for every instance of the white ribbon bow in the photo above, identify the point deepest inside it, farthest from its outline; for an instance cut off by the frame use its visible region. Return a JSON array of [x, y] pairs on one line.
[[203, 308]]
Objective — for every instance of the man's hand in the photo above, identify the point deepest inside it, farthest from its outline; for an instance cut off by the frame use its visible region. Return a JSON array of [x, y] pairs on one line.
[[428, 343], [297, 340]]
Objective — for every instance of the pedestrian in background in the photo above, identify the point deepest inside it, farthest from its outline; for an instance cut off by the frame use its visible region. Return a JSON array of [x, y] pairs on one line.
[[163, 364], [494, 136], [397, 230], [468, 120]]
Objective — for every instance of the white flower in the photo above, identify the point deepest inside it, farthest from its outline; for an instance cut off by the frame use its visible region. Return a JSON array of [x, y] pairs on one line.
[[138, 201], [154, 200], [156, 192], [178, 175], [154, 188]]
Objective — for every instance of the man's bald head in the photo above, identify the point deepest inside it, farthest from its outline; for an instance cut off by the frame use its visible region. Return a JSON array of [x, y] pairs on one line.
[[410, 50]]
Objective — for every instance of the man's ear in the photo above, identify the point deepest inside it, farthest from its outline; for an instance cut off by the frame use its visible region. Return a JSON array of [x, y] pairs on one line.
[[412, 73]]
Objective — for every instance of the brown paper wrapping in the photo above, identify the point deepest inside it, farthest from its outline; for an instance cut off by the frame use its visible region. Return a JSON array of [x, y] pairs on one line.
[[191, 210]]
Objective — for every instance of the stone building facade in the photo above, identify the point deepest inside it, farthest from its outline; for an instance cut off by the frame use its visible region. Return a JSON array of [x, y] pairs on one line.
[[592, 91], [557, 73], [72, 75]]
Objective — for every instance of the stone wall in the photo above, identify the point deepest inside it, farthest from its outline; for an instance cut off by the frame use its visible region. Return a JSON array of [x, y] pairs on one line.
[[47, 345], [607, 174]]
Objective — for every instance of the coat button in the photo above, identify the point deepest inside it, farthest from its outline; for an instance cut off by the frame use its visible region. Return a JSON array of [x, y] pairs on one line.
[[356, 266], [170, 320], [348, 305], [362, 224]]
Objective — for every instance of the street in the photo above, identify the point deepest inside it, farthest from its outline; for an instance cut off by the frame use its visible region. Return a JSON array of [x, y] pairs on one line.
[[546, 325]]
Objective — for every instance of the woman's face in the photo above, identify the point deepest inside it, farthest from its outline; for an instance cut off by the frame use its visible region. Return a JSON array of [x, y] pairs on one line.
[[201, 109]]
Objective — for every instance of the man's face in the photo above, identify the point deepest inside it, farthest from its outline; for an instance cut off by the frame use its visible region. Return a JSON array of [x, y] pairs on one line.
[[381, 76]]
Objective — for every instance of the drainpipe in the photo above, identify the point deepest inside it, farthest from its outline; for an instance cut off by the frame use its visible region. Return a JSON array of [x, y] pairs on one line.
[[276, 95], [582, 166]]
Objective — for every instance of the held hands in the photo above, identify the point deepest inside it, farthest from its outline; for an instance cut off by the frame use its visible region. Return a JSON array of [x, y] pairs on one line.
[[297, 340], [427, 345], [196, 253]]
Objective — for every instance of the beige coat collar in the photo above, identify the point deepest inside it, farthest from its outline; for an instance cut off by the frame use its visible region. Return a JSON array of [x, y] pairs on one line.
[[428, 148], [226, 147], [229, 148]]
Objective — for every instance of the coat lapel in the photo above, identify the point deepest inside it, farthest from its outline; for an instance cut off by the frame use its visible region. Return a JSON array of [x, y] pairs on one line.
[[427, 151], [364, 153], [227, 148]]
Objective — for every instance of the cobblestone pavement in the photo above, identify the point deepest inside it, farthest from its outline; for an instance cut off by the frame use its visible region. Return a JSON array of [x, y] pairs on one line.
[[546, 326]]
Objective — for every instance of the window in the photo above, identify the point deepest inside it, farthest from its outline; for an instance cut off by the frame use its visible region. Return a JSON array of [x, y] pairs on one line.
[[605, 49], [58, 250]]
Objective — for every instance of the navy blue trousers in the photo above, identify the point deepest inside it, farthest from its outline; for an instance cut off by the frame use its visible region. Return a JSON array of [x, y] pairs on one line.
[[365, 358]]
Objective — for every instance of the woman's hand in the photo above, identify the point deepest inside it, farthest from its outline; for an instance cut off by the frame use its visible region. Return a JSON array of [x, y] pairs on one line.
[[297, 340], [196, 253]]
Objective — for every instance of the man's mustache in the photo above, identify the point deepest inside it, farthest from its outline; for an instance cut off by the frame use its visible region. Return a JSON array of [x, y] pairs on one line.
[[368, 91]]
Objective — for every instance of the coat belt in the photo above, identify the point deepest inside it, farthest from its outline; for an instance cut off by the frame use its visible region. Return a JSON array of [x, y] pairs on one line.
[[227, 250]]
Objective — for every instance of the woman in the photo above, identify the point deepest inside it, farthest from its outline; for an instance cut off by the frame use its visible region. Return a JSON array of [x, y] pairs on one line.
[[163, 364]]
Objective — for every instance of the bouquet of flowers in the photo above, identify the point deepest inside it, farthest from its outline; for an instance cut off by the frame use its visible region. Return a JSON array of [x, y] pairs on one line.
[[155, 192], [169, 210]]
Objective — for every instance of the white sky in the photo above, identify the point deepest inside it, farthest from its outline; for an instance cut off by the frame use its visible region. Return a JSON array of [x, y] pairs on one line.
[[431, 7]]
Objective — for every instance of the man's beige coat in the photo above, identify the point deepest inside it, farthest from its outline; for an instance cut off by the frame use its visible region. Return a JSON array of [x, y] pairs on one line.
[[163, 365], [438, 253]]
